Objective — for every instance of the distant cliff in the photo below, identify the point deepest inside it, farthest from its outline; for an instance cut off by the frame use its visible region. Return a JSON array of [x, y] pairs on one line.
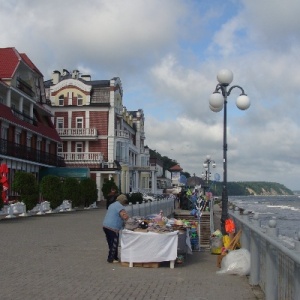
[[247, 188]]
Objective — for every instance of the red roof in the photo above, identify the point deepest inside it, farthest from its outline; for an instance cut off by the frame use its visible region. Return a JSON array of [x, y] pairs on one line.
[[176, 168], [41, 129], [30, 63], [10, 59]]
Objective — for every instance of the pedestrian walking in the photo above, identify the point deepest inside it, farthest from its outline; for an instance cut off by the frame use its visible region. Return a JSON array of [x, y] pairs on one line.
[[111, 197]]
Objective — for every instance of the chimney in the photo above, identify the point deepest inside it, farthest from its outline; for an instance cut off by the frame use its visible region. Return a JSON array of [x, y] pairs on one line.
[[55, 77], [65, 72], [86, 77], [75, 74]]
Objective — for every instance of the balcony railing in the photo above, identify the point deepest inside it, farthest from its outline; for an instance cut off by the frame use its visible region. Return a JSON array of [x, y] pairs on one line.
[[22, 116], [25, 87], [122, 134], [82, 157], [27, 153], [77, 132]]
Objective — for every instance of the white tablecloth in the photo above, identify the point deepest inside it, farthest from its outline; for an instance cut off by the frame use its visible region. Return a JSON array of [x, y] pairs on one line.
[[148, 246]]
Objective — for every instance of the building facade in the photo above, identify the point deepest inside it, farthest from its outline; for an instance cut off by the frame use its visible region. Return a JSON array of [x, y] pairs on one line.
[[98, 132], [28, 138]]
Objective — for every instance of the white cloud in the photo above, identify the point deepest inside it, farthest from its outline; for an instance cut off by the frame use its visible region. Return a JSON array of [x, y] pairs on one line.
[[167, 54]]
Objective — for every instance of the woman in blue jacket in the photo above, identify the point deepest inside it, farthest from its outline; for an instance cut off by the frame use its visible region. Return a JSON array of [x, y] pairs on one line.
[[112, 224]]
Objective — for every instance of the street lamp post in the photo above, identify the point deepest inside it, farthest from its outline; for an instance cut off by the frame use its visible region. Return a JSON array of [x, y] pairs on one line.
[[216, 103], [206, 166]]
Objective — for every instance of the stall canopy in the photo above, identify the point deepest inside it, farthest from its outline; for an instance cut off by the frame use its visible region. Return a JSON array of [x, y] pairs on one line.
[[78, 173]]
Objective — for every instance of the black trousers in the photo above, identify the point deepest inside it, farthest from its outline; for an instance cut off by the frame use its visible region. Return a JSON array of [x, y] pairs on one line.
[[112, 239]]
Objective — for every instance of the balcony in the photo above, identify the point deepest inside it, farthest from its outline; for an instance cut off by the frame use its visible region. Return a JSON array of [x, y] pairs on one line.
[[141, 168], [122, 134], [30, 154], [78, 133], [22, 116], [25, 87], [82, 157]]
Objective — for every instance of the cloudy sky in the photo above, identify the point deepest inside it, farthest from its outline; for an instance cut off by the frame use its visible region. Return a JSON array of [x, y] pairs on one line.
[[167, 54]]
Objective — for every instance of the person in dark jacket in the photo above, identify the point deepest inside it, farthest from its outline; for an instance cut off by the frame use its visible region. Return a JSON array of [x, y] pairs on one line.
[[111, 198]]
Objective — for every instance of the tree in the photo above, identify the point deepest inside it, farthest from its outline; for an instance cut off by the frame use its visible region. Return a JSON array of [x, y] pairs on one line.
[[51, 189], [25, 184], [107, 186], [89, 192], [71, 191]]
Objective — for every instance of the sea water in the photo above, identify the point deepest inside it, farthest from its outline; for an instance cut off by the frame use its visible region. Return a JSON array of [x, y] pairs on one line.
[[284, 209]]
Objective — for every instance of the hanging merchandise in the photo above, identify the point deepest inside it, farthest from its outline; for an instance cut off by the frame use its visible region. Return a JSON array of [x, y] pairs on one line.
[[194, 238], [4, 181], [229, 226]]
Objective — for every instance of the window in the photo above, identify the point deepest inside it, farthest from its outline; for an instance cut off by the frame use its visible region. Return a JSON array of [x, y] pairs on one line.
[[79, 100], [59, 150], [4, 133], [60, 123], [79, 122], [61, 100], [38, 145], [79, 147], [79, 150], [28, 142], [17, 137]]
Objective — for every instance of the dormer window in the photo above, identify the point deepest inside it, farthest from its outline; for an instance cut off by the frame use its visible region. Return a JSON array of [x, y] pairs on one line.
[[61, 100]]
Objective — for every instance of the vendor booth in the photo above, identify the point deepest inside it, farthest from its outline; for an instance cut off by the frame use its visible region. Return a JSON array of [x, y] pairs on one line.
[[154, 239], [146, 247]]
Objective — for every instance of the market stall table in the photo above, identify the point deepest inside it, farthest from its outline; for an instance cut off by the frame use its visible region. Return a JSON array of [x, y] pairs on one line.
[[145, 247]]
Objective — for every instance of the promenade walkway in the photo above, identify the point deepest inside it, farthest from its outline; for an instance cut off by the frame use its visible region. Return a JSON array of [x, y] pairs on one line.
[[63, 257]]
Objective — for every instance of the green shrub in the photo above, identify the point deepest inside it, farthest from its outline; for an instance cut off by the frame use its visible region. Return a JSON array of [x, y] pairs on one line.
[[89, 192], [107, 186], [71, 191], [135, 198], [51, 189], [25, 184]]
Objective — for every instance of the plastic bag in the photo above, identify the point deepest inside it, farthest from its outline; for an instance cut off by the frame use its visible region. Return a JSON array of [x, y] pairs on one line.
[[236, 262], [226, 241], [216, 244]]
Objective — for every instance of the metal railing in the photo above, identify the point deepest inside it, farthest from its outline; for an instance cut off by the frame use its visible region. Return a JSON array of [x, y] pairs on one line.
[[148, 208], [274, 267], [22, 116], [27, 153]]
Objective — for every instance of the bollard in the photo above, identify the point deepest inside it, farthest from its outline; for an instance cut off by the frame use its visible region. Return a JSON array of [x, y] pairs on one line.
[[246, 215], [10, 213], [272, 230], [256, 220]]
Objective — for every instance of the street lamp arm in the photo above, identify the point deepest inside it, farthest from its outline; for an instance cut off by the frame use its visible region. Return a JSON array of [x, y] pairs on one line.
[[227, 93], [236, 86]]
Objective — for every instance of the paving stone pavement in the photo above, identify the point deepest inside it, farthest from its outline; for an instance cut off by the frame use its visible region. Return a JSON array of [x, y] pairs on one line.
[[63, 256]]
